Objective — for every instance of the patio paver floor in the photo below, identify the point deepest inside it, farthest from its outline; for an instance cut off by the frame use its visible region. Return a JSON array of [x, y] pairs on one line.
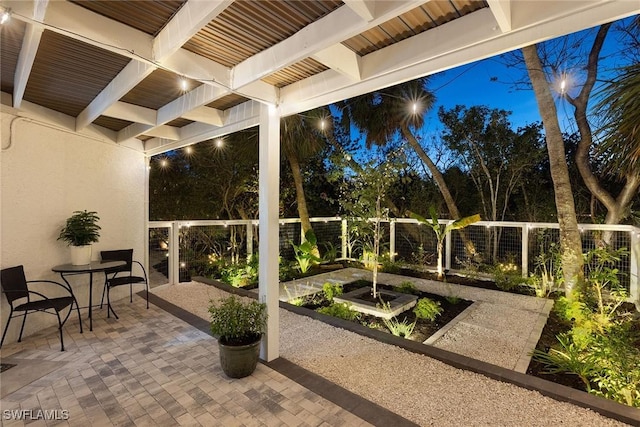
[[150, 368]]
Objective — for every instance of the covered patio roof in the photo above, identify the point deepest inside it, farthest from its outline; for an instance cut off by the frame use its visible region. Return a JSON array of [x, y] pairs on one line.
[[117, 65]]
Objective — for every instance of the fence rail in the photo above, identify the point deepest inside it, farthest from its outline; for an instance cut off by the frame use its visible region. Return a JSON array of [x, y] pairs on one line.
[[177, 248]]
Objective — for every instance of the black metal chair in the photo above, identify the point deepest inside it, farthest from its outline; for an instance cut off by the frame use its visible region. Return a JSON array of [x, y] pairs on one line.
[[15, 286], [120, 276]]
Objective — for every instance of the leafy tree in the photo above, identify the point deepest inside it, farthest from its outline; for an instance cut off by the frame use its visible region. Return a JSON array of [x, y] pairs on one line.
[[495, 156], [362, 198]]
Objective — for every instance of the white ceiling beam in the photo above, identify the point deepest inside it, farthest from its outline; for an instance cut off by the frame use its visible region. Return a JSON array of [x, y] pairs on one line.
[[240, 117], [208, 115], [191, 17], [132, 113], [198, 97], [339, 25], [81, 24], [501, 10], [165, 132], [127, 79], [364, 8], [28, 50], [340, 58], [330, 86]]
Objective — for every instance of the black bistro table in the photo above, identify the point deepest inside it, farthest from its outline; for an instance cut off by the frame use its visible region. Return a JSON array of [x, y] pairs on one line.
[[93, 267]]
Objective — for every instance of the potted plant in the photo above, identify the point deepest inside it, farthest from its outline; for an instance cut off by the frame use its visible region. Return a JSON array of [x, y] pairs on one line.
[[238, 327], [80, 231]]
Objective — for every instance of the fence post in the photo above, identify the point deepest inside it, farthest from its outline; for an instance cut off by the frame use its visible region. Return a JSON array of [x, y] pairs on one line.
[[344, 239], [392, 240], [447, 253], [634, 267], [249, 240], [525, 250], [174, 253]]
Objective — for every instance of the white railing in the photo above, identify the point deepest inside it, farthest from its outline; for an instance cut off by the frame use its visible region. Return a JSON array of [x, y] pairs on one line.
[[515, 242]]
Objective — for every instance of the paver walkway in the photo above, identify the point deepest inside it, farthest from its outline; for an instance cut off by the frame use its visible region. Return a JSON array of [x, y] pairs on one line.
[[499, 327], [147, 369]]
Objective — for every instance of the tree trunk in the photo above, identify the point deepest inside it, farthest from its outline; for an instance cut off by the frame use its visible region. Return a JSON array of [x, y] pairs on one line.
[[301, 200], [570, 241], [618, 208]]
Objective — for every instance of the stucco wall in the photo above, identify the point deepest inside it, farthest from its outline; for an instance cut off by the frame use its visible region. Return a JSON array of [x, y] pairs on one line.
[[49, 172]]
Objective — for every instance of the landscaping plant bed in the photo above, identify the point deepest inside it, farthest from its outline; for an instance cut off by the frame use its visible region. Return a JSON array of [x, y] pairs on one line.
[[451, 307]]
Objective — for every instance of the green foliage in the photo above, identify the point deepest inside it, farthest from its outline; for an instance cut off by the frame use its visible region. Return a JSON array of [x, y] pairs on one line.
[[402, 329], [304, 253], [241, 274], [406, 287], [547, 276], [330, 252], [600, 347], [426, 308], [331, 290], [81, 229], [388, 266], [294, 299], [567, 358], [442, 230], [507, 276], [235, 322], [340, 310], [453, 299]]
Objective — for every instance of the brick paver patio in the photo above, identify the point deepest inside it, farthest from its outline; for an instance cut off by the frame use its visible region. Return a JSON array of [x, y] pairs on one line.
[[148, 369]]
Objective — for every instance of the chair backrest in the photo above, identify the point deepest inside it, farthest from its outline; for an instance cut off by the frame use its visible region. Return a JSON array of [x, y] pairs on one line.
[[125, 255], [14, 284]]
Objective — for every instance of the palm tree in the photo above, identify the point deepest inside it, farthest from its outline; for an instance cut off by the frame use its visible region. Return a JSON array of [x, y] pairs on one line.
[[620, 108], [399, 109], [301, 138]]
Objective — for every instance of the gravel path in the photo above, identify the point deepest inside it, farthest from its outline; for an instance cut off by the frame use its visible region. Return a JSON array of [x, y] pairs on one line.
[[419, 388]]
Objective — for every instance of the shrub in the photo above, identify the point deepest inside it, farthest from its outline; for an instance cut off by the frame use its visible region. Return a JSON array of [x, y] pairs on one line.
[[331, 290], [406, 287], [402, 329], [507, 276], [340, 310], [427, 308], [234, 321]]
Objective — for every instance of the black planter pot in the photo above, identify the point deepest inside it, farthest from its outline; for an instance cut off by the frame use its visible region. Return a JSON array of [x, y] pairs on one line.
[[239, 361]]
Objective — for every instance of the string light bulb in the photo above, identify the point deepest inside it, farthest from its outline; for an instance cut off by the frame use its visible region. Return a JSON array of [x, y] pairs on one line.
[[322, 124], [219, 143], [188, 149], [164, 163], [184, 84], [563, 85], [415, 107], [5, 16]]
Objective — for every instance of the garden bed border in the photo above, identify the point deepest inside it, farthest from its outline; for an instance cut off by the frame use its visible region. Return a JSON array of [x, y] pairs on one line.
[[606, 407]]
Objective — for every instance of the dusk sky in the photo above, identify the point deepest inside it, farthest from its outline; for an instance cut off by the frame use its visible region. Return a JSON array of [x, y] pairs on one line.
[[471, 85]]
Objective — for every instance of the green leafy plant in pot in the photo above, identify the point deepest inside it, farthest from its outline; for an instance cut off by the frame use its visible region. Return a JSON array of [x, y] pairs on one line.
[[80, 231], [238, 327]]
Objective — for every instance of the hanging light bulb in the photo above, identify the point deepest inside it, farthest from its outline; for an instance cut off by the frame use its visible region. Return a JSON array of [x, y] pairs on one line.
[[219, 143], [322, 124], [188, 149], [415, 107], [164, 163], [184, 84], [5, 16]]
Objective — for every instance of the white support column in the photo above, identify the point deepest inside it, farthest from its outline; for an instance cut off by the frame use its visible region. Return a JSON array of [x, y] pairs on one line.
[[447, 253], [344, 239], [634, 267], [249, 240], [525, 250], [147, 167], [268, 248], [392, 240], [174, 253]]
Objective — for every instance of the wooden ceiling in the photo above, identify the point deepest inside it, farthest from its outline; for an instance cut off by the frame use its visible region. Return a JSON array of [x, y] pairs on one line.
[[120, 64]]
